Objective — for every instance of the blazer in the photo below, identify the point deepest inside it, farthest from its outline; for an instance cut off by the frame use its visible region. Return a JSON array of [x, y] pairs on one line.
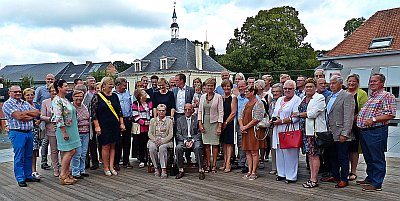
[[188, 94], [316, 115], [341, 116], [182, 129], [216, 110], [45, 115]]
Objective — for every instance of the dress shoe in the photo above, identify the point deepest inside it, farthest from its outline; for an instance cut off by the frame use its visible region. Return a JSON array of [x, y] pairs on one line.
[[330, 179], [45, 166], [202, 176], [371, 188], [341, 184], [179, 175], [94, 167], [32, 180], [22, 184], [280, 178], [85, 174], [290, 181]]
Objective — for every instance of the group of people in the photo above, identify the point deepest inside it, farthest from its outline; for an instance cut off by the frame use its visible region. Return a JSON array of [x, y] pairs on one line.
[[95, 124]]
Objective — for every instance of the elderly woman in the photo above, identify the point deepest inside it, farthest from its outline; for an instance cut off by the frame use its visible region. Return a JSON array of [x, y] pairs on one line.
[[83, 116], [360, 98], [210, 116], [161, 136], [142, 111], [251, 115], [228, 130], [108, 122], [29, 94], [277, 92], [67, 135], [50, 129], [287, 160], [312, 120], [263, 96]]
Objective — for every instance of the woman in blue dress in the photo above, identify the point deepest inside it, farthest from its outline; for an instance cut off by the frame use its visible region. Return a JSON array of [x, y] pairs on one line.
[[67, 135]]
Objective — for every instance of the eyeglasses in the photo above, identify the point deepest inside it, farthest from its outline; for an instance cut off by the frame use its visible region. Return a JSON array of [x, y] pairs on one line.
[[28, 94], [16, 92], [188, 109], [287, 88], [161, 110]]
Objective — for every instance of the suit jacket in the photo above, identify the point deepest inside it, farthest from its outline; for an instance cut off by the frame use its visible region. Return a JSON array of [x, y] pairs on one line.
[[341, 115], [182, 129], [188, 95]]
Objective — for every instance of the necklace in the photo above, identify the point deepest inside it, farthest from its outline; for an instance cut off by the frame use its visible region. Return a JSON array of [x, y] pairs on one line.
[[209, 99]]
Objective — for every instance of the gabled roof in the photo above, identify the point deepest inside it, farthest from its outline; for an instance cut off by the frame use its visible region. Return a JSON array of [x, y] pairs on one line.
[[330, 64], [181, 57], [37, 71], [384, 23], [71, 73]]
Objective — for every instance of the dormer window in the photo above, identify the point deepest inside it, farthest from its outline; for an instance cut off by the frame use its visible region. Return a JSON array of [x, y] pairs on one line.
[[163, 63], [137, 65], [381, 42]]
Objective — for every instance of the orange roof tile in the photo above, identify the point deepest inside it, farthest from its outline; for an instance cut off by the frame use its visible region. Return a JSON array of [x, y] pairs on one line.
[[383, 23]]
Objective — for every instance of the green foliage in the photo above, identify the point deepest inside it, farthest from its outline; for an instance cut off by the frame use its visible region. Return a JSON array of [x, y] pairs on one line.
[[212, 52], [270, 41], [98, 75], [26, 81], [351, 25], [121, 65]]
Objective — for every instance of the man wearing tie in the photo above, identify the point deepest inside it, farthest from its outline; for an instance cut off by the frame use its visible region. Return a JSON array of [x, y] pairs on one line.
[[188, 136]]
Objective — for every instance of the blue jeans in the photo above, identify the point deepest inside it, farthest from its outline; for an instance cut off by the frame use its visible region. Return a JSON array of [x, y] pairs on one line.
[[23, 150], [374, 145], [79, 159]]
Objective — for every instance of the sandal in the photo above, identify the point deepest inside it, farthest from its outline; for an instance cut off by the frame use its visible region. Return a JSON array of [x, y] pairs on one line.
[[65, 180], [352, 177], [207, 169], [310, 184], [214, 170]]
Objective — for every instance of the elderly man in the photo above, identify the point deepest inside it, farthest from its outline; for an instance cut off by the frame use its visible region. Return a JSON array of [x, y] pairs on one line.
[[340, 115], [19, 115], [321, 87], [224, 76], [41, 94], [242, 100], [250, 81], [188, 137], [373, 120], [300, 83], [172, 83], [319, 73], [123, 147]]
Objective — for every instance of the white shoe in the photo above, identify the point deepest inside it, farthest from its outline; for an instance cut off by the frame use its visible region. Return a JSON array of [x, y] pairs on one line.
[[273, 172], [36, 175], [141, 165]]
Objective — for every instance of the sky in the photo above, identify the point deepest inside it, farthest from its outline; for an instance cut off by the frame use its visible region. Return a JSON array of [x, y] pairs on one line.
[[43, 31]]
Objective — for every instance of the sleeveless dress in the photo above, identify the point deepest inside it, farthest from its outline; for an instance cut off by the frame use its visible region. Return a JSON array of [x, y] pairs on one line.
[[227, 135], [249, 141], [210, 136]]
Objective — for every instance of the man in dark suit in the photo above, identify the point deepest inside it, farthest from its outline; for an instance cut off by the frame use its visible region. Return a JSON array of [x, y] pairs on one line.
[[183, 94], [188, 137], [340, 117]]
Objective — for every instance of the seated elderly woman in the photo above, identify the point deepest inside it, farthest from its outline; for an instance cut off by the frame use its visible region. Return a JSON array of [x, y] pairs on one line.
[[160, 139]]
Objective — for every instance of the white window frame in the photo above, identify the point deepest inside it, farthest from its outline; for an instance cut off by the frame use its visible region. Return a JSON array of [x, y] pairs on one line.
[[165, 61], [138, 66]]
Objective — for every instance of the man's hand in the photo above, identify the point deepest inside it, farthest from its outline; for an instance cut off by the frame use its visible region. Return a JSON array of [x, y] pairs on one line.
[[342, 138]]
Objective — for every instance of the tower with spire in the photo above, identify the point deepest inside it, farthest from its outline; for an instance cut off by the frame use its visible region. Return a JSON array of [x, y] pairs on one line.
[[174, 26]]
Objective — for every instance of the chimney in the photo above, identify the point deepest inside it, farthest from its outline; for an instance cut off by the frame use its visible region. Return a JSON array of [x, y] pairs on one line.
[[88, 63], [206, 47], [199, 59]]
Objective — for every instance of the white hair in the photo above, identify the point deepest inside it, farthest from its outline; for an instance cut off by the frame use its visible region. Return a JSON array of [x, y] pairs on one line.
[[337, 78], [290, 82]]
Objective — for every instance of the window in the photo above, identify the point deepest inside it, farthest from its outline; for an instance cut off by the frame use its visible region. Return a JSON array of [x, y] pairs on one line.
[[163, 63], [73, 75], [381, 42], [364, 73], [138, 66]]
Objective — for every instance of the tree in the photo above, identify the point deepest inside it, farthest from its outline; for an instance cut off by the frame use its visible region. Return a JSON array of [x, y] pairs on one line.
[[212, 52], [26, 81], [99, 74], [270, 41], [121, 65], [351, 25]]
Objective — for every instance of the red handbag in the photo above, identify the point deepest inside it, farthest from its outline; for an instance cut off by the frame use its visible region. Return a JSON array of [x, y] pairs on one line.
[[290, 139]]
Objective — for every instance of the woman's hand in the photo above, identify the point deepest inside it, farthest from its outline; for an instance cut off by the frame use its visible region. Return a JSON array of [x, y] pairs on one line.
[[122, 126], [278, 121], [224, 125], [65, 135], [219, 131], [243, 129], [202, 130], [97, 130], [37, 122]]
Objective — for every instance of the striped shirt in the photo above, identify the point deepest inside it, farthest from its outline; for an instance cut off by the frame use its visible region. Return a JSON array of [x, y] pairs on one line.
[[13, 105], [379, 103]]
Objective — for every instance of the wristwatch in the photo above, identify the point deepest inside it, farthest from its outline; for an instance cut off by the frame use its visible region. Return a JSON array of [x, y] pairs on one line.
[[374, 119]]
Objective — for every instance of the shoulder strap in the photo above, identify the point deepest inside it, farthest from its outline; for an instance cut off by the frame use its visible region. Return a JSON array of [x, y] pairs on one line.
[[109, 105]]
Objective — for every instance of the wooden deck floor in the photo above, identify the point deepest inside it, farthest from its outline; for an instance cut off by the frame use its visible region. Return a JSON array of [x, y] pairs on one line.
[[137, 184]]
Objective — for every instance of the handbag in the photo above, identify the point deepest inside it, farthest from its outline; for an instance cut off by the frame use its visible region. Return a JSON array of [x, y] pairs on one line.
[[290, 139], [135, 127], [264, 123], [323, 139]]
